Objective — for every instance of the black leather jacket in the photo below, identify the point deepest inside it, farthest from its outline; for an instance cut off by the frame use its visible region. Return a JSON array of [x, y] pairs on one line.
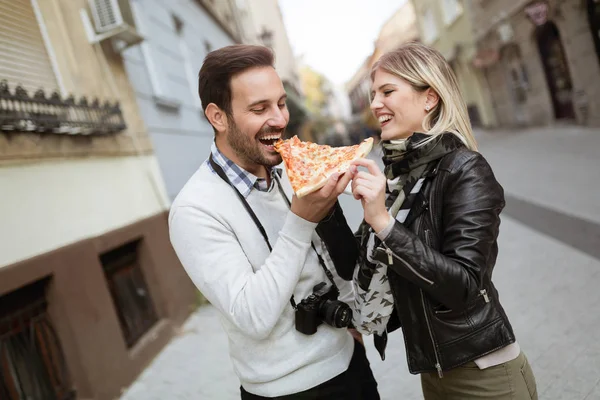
[[441, 274]]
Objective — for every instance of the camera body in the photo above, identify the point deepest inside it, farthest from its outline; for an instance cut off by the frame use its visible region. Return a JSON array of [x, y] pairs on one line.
[[322, 306]]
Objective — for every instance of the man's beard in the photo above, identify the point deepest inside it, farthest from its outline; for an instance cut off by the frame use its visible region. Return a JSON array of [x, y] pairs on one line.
[[249, 148]]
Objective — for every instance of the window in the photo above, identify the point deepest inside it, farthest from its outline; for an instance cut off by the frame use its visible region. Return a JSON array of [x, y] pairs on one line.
[[187, 61], [430, 30], [452, 10], [157, 60], [129, 291], [31, 359], [518, 80], [27, 57]]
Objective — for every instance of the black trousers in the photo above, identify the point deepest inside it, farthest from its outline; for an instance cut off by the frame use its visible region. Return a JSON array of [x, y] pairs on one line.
[[356, 383]]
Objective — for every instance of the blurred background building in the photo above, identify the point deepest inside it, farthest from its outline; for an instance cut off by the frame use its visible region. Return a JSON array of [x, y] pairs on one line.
[[529, 64], [540, 60], [446, 25], [327, 108]]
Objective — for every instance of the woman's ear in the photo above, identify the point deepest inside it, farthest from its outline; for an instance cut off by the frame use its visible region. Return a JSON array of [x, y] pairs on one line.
[[431, 99], [216, 117]]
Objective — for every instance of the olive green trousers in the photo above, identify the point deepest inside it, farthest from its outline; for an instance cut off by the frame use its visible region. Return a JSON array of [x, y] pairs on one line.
[[512, 380]]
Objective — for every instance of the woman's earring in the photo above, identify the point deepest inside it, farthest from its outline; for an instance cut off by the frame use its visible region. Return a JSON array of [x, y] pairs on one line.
[[427, 108]]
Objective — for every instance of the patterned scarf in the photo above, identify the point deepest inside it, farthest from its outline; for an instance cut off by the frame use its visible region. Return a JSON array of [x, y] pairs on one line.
[[405, 163]]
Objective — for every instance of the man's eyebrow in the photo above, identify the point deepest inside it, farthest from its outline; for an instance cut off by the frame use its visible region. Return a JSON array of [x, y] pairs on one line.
[[258, 102], [262, 101]]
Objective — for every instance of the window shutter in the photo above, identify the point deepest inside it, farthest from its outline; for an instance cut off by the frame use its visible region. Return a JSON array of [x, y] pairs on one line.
[[23, 56]]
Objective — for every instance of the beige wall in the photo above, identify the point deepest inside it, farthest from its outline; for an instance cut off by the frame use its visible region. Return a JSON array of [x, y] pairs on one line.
[[86, 70], [51, 204]]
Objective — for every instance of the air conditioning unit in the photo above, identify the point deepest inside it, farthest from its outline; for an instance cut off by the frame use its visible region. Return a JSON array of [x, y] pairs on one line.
[[113, 20]]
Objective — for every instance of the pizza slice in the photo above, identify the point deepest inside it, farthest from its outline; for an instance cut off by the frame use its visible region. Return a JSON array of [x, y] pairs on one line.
[[309, 165]]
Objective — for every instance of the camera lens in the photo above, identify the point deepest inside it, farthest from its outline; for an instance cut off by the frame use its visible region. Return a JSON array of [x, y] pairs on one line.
[[336, 313]]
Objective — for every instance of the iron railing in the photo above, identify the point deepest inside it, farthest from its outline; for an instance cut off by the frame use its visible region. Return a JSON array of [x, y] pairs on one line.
[[21, 112], [32, 366]]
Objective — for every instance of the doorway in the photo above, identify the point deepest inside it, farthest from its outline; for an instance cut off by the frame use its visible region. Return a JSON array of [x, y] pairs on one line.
[[593, 8], [556, 69]]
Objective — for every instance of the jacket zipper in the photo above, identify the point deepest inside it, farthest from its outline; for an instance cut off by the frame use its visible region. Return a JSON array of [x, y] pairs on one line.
[[391, 257], [427, 238], [433, 197], [486, 298], [438, 366]]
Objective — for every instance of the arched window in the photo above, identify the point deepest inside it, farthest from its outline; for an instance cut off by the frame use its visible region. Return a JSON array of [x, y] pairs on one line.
[[518, 80]]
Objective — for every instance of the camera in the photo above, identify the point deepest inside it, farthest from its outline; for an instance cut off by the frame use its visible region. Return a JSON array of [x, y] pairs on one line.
[[322, 305]]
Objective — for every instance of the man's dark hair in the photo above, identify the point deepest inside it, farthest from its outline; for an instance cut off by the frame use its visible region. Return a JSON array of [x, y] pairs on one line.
[[214, 79]]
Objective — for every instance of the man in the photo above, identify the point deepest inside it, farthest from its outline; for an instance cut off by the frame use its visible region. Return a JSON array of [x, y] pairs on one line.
[[253, 255]]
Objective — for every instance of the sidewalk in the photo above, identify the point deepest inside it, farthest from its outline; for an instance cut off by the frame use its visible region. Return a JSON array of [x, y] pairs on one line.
[[556, 167]]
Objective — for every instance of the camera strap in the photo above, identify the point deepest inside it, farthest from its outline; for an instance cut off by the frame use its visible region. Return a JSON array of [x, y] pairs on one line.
[[262, 230]]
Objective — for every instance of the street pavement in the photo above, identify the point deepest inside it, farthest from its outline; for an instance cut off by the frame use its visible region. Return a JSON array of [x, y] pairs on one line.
[[547, 274]]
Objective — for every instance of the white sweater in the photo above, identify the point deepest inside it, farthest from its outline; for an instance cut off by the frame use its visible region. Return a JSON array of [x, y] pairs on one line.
[[227, 258]]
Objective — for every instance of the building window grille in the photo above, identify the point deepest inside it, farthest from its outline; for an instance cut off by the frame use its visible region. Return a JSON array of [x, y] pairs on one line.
[[129, 291], [32, 365]]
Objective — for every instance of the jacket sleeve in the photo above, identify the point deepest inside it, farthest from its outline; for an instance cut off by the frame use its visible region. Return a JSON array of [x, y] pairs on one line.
[[215, 261], [340, 242], [471, 207]]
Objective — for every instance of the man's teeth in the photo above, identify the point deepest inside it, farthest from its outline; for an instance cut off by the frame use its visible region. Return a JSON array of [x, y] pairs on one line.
[[274, 137], [384, 118]]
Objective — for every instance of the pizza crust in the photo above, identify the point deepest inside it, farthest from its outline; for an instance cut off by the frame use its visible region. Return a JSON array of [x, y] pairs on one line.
[[363, 150]]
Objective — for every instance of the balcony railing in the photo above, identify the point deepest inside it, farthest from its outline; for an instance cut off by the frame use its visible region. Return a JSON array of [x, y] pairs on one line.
[[20, 112]]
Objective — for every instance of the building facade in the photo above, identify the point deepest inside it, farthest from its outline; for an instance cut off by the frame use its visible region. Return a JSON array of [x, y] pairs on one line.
[[164, 72], [447, 25], [90, 288], [541, 60]]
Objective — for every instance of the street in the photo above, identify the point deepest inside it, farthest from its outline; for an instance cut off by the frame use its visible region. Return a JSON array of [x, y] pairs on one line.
[[547, 274]]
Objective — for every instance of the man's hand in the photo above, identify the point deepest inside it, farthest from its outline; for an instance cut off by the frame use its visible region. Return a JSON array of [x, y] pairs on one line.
[[315, 206]]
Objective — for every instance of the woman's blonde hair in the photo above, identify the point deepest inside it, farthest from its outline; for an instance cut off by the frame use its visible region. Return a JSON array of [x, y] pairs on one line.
[[423, 67]]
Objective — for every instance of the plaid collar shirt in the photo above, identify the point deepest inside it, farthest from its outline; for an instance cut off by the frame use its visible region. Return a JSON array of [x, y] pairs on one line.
[[241, 179]]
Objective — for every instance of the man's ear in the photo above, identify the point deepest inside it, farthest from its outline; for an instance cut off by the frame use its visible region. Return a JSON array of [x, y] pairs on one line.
[[216, 117]]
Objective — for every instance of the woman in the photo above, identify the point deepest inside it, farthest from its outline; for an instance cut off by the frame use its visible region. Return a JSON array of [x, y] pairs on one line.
[[433, 220]]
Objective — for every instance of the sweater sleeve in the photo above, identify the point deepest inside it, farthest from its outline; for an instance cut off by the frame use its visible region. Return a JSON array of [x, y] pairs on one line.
[[216, 263]]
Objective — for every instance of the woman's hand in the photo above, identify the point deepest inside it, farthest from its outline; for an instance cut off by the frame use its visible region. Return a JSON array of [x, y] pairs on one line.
[[369, 188]]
